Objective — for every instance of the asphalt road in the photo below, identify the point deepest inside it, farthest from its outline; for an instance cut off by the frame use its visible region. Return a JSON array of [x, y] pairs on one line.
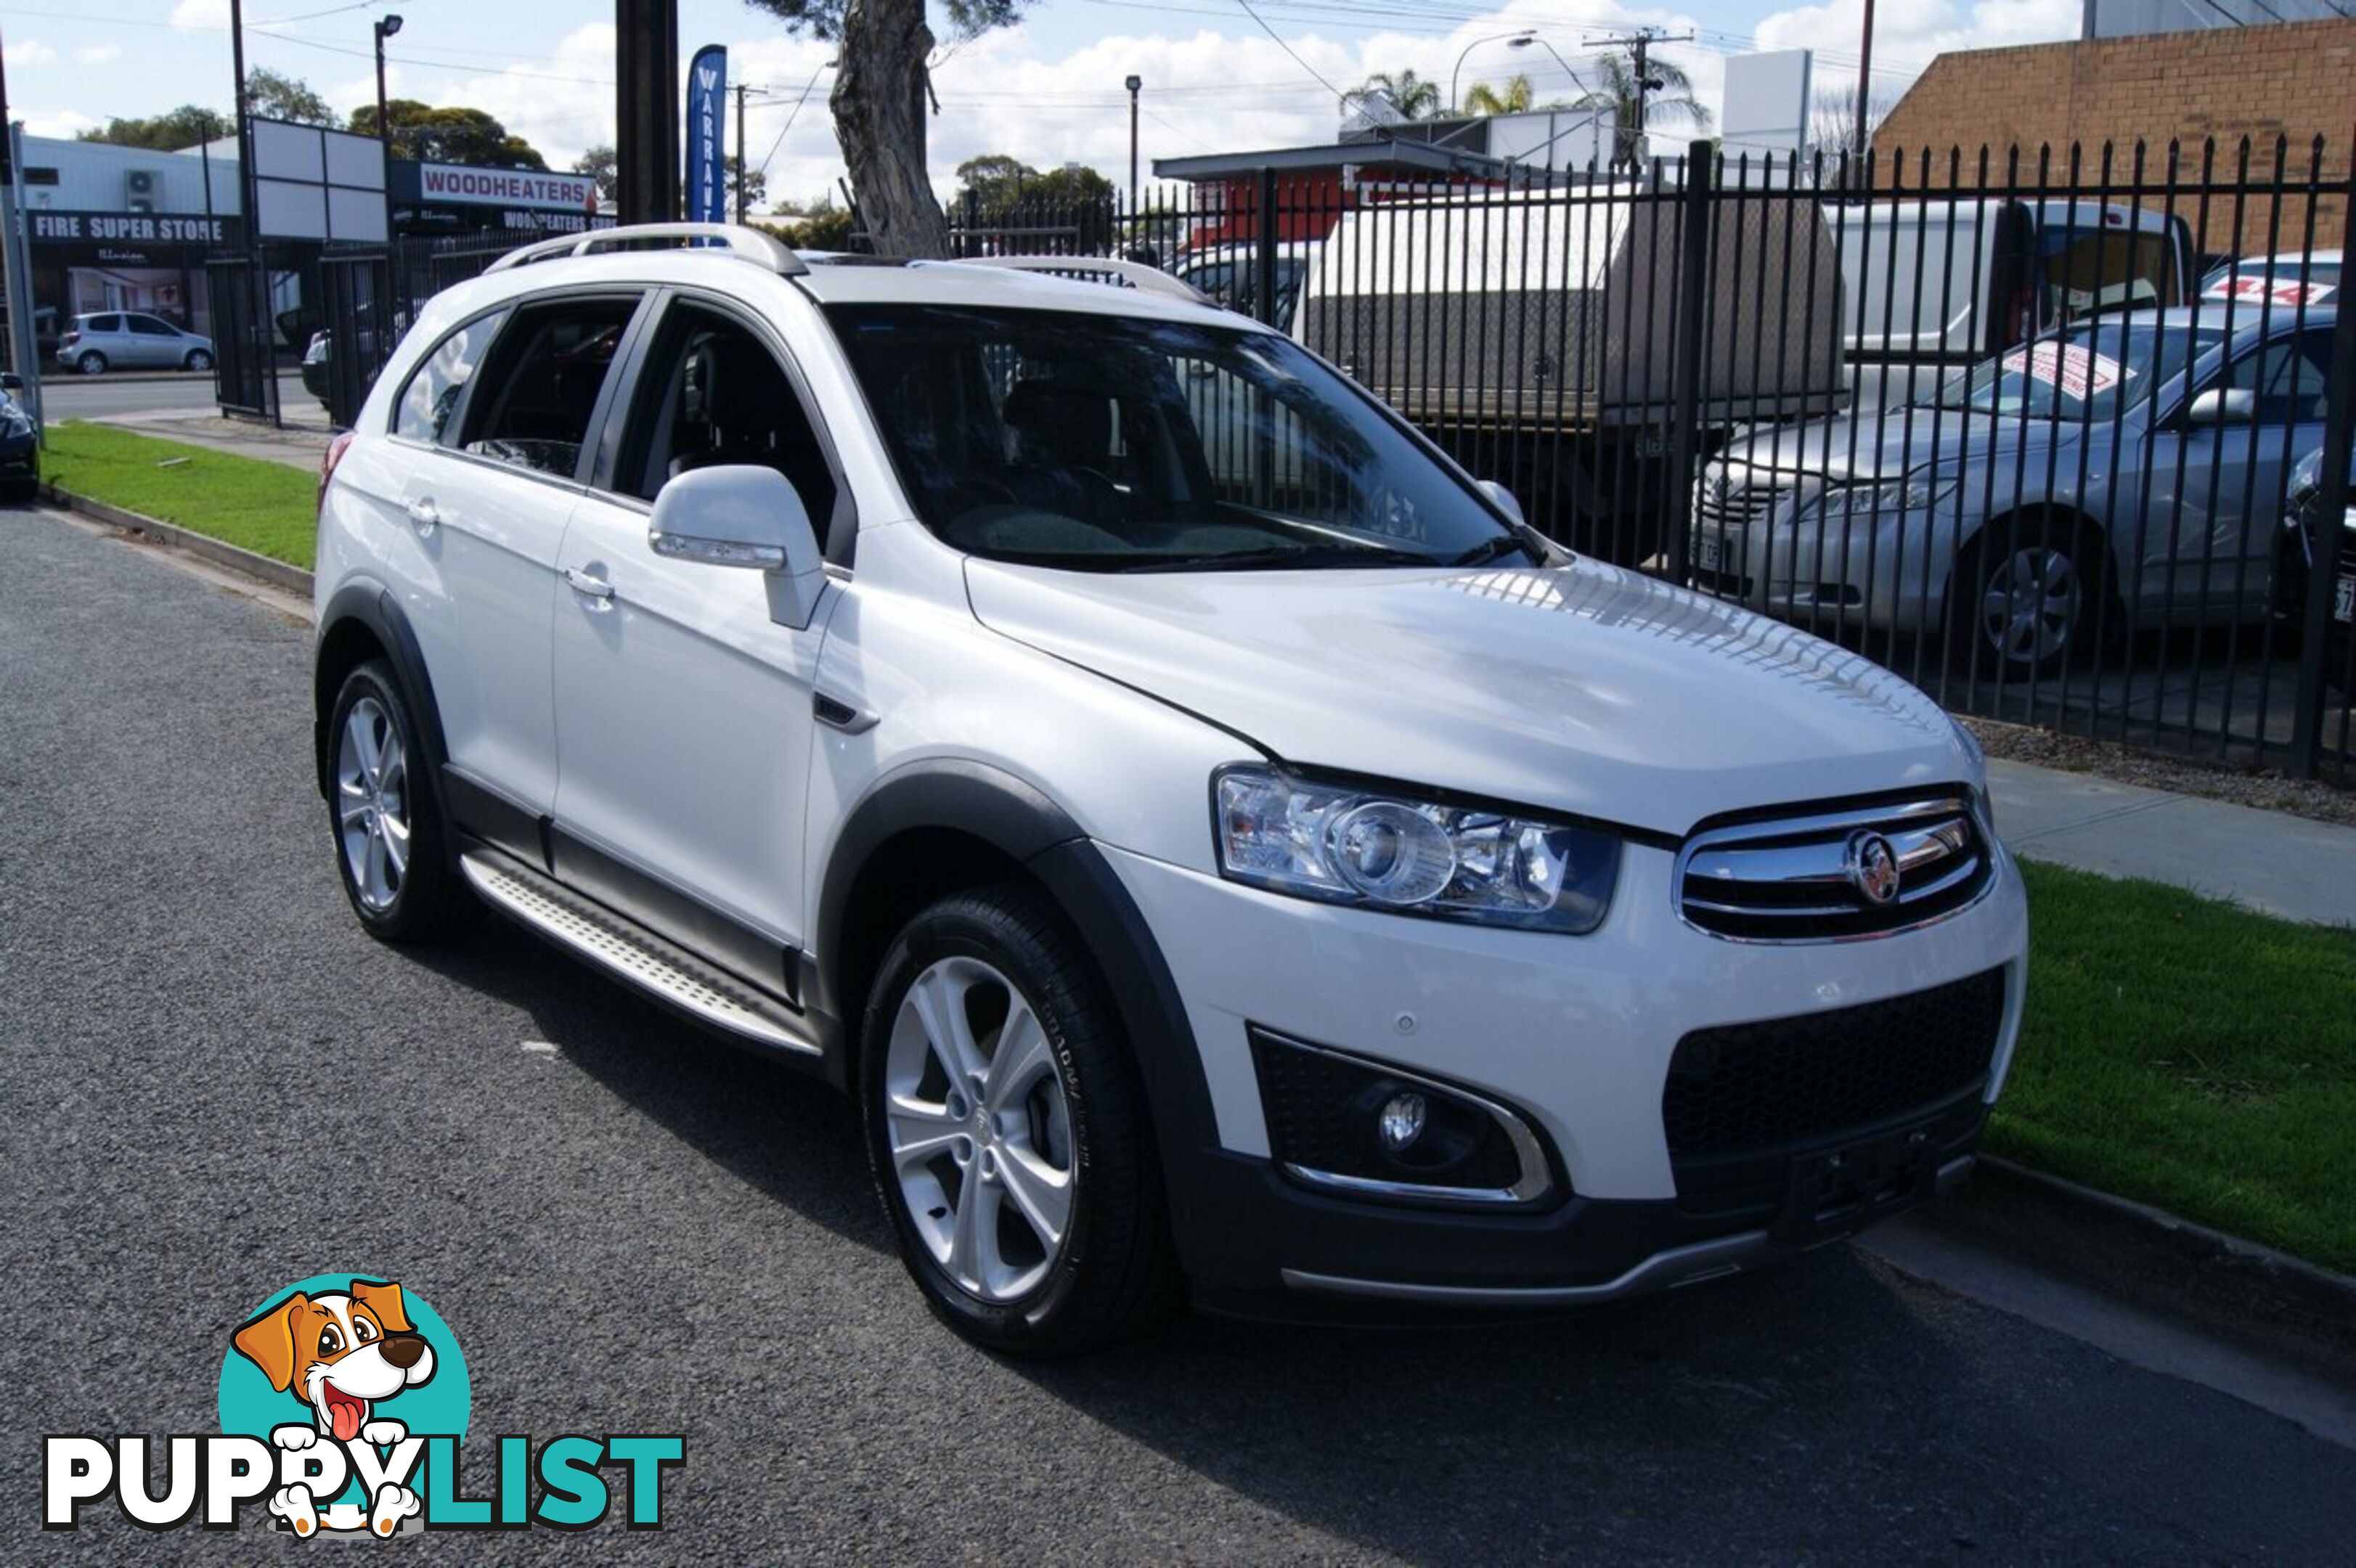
[[212, 1084], [65, 396]]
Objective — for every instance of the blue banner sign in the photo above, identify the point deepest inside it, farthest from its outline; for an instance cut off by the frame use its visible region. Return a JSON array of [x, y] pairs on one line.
[[707, 117]]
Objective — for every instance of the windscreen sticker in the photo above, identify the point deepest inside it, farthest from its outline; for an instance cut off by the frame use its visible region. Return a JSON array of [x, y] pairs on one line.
[[2079, 371], [2286, 291]]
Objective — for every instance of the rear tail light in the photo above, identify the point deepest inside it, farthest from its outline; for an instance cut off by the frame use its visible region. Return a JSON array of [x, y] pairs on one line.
[[327, 464]]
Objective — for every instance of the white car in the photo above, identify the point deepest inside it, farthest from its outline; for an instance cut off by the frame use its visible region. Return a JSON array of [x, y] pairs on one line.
[[1326, 895], [131, 340]]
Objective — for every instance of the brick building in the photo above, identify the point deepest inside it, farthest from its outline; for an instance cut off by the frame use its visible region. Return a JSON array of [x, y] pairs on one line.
[[2290, 81]]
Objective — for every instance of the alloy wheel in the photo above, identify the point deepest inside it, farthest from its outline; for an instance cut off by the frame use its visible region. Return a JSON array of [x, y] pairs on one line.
[[2029, 609], [372, 804], [979, 1127]]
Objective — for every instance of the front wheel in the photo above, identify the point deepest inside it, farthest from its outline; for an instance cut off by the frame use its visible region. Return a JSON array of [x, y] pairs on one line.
[[1007, 1132], [387, 827], [2026, 599], [198, 359]]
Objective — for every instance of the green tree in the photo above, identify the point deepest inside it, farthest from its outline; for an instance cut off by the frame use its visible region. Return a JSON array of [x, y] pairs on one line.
[[603, 164], [879, 105], [271, 95], [1668, 94], [995, 191], [183, 127], [1411, 95], [449, 135], [1516, 97], [825, 227], [756, 186]]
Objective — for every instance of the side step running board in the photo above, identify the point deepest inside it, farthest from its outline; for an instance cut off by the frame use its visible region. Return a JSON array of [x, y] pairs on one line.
[[634, 954]]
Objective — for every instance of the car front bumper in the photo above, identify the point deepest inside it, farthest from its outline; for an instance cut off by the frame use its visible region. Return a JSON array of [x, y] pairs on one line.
[[1574, 1034]]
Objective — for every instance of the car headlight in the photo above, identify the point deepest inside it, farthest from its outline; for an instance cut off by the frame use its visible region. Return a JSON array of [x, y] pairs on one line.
[[1912, 495], [15, 423], [1342, 845]]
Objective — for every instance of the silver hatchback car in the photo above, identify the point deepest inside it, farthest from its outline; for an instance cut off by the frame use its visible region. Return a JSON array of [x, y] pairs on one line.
[[2128, 472], [131, 339]]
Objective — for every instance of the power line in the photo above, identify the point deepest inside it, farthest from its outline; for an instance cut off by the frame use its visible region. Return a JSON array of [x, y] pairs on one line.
[[1304, 64]]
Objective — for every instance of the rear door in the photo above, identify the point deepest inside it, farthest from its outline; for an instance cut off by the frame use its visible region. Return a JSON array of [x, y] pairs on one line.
[[683, 713], [504, 462]]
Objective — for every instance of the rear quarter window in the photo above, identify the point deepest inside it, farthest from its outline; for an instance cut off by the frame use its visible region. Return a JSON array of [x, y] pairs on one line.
[[430, 396]]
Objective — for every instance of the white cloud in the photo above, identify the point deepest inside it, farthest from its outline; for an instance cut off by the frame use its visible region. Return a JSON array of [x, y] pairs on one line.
[[98, 54], [1908, 34], [200, 14], [31, 52], [62, 124]]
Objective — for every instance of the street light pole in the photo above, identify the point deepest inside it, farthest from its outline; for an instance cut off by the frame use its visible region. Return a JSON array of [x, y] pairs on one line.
[[1133, 83], [385, 27], [1521, 39]]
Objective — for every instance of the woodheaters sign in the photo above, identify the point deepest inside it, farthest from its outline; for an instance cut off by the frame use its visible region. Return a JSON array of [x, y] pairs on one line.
[[460, 184]]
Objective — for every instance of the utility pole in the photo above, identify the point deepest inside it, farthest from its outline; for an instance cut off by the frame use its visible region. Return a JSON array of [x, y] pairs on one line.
[[744, 176], [647, 118], [255, 351], [24, 344], [1865, 83], [1639, 44], [1133, 83]]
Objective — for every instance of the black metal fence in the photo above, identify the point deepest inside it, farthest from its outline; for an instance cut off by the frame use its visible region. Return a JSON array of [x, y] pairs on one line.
[[2064, 438]]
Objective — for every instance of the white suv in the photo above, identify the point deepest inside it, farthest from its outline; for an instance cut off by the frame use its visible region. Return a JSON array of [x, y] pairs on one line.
[[1273, 869]]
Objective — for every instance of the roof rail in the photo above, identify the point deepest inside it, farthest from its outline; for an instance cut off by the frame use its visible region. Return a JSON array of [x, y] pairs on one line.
[[750, 244], [1102, 269]]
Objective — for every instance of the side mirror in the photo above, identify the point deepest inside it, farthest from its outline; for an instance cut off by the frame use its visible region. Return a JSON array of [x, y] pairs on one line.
[[2223, 405], [740, 515], [1502, 500]]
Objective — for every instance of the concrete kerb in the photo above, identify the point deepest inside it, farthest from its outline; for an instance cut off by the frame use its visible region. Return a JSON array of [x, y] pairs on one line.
[[277, 573], [2217, 1284]]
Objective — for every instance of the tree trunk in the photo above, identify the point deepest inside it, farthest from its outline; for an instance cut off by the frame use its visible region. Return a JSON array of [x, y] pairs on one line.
[[879, 105]]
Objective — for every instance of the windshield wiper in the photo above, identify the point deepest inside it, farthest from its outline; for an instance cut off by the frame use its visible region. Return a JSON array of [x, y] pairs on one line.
[[1288, 555], [1490, 549]]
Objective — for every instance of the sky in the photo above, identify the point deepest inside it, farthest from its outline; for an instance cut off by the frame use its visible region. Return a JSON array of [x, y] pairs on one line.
[[1220, 75]]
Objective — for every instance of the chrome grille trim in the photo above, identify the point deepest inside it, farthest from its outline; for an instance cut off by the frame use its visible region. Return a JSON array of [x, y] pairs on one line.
[[1786, 879]]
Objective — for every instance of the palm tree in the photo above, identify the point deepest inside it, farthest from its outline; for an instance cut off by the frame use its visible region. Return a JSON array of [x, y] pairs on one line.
[[1518, 97], [1672, 96], [1410, 94]]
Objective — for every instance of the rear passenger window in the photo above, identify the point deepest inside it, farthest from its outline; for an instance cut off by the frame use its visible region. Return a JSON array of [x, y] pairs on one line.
[[715, 393], [541, 381], [426, 404]]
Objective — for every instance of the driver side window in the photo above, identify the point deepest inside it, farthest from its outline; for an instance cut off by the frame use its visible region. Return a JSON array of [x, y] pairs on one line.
[[2287, 376], [714, 394]]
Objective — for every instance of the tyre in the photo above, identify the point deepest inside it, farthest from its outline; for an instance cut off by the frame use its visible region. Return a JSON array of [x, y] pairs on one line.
[[198, 359], [2026, 599], [92, 364], [1007, 1131], [388, 838]]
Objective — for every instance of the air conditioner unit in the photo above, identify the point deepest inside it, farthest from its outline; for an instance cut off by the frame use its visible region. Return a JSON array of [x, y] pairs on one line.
[[140, 184]]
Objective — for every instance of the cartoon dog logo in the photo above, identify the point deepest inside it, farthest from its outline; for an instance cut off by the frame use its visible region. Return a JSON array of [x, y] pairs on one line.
[[342, 1353]]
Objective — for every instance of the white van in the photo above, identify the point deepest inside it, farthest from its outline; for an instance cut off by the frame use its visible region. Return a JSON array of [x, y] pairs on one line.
[[1930, 286]]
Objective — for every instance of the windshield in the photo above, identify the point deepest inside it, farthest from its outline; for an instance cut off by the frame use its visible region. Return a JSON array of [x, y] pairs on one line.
[[2090, 371], [1113, 443]]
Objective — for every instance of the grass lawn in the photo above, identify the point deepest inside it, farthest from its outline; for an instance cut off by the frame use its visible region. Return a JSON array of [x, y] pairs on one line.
[[2192, 1055], [268, 508]]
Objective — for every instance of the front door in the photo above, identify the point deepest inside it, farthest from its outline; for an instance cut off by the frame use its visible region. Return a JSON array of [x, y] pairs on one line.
[[683, 713]]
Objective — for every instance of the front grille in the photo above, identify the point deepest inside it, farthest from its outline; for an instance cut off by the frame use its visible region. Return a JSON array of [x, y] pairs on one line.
[[1736, 506], [1786, 1082], [1813, 877]]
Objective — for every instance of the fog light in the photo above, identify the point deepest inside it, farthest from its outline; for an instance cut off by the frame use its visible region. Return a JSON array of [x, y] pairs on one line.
[[1402, 1122]]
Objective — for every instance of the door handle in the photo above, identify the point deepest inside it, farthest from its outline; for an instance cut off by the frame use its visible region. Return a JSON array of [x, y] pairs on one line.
[[588, 584], [424, 515]]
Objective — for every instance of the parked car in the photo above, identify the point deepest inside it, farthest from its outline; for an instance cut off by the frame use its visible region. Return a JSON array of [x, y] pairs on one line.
[[1530, 332], [2290, 279], [2303, 535], [20, 449], [129, 340], [1928, 286], [2125, 472], [1332, 895]]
